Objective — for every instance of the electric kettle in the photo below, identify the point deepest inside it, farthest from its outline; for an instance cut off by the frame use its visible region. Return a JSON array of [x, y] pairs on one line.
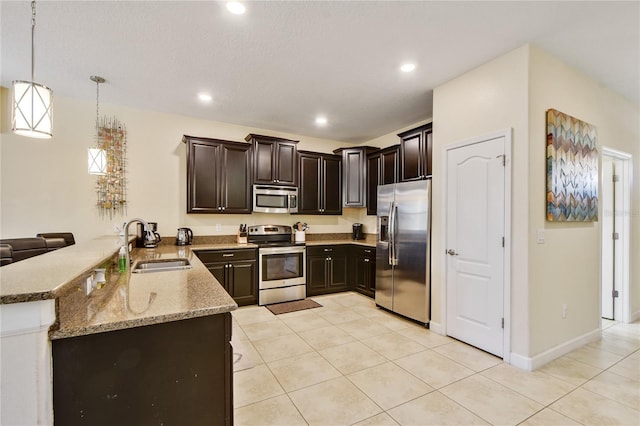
[[185, 236]]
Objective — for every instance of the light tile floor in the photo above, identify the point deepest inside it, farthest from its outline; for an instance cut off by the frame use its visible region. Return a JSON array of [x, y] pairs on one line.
[[350, 363]]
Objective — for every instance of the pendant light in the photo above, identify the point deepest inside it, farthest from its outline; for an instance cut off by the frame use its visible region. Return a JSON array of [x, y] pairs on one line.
[[32, 102], [97, 155]]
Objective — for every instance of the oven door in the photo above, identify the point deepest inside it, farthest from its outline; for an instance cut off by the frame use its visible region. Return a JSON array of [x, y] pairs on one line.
[[281, 266]]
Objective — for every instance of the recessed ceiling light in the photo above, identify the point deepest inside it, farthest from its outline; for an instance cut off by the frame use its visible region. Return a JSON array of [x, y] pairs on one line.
[[204, 97], [236, 7], [321, 121], [408, 67]]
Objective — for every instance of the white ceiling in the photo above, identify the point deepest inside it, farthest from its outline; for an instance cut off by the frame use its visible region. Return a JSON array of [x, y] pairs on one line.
[[284, 62]]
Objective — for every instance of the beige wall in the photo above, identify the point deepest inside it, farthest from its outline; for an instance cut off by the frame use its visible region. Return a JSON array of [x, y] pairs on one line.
[[489, 98], [514, 91], [45, 186], [566, 269]]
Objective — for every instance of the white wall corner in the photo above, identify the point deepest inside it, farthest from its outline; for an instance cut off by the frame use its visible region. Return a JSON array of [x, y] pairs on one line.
[[635, 316], [437, 328], [557, 351]]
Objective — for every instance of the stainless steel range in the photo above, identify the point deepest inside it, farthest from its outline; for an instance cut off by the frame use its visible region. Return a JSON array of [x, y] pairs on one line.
[[281, 264]]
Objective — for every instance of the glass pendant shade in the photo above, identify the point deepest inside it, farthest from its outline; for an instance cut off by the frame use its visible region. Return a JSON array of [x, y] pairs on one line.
[[32, 104], [97, 161]]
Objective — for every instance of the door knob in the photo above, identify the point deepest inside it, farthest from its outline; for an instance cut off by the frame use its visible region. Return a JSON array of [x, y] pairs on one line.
[[452, 252]]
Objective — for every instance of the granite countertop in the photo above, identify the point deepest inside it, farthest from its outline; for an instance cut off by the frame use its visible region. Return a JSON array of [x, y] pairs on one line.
[[128, 299], [138, 299]]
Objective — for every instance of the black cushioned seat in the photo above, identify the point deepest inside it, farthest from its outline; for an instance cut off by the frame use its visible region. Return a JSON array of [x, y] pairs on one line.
[[6, 254], [24, 248], [68, 237], [55, 243]]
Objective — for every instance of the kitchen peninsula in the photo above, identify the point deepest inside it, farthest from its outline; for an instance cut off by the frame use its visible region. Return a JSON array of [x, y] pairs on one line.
[[145, 331]]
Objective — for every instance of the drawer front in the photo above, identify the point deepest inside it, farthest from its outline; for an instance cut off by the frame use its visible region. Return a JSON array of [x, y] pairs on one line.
[[212, 256], [366, 251], [328, 250]]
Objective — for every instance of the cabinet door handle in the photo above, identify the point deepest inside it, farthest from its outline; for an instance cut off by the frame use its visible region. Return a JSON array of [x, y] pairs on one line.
[[227, 255], [367, 251], [328, 249], [366, 260]]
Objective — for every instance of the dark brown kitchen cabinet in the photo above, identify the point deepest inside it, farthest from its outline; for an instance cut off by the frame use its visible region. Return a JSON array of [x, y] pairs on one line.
[[327, 269], [175, 373], [416, 151], [236, 271], [274, 160], [320, 190], [364, 276], [383, 167], [218, 176], [354, 175]]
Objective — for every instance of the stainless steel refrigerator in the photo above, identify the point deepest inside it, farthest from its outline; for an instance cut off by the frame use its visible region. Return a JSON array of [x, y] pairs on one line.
[[403, 250]]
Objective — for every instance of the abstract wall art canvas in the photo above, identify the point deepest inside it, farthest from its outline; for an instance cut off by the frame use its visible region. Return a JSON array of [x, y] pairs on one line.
[[572, 169]]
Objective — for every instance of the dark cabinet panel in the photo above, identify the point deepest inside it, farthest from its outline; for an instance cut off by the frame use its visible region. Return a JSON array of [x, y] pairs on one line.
[[320, 179], [354, 175], [327, 269], [383, 167], [236, 271], [332, 179], [274, 160], [140, 375], [365, 270], [416, 153], [218, 176]]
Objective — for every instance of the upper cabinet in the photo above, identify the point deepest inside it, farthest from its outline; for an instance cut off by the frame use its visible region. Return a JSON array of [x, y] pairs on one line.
[[383, 167], [320, 183], [274, 160], [415, 153], [354, 175], [218, 176]]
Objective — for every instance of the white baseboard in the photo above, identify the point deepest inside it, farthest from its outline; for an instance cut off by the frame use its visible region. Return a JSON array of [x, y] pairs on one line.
[[437, 328], [634, 316], [533, 363]]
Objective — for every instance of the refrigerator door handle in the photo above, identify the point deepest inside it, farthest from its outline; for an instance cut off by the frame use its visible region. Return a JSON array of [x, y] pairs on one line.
[[390, 234]]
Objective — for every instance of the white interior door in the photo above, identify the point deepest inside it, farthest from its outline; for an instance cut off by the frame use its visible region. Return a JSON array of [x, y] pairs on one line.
[[475, 234], [608, 214], [615, 223]]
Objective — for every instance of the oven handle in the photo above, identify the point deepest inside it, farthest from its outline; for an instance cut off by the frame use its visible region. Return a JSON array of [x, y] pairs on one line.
[[281, 250]]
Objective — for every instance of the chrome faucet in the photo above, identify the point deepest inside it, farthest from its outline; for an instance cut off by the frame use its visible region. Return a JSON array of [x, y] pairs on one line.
[[147, 230]]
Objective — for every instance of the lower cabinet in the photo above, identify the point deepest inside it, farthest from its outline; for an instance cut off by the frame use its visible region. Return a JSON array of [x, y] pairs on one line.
[[236, 270], [327, 269], [364, 276], [174, 373]]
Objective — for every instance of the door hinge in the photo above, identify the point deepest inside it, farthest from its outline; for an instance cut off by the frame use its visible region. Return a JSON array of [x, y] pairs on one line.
[[616, 178], [502, 322], [614, 293], [615, 236], [503, 242]]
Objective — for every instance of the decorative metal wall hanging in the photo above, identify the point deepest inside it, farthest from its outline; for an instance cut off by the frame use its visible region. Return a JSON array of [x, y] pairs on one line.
[[111, 187], [572, 169]]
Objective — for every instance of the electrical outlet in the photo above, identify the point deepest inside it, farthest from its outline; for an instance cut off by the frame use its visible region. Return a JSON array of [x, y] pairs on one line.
[[540, 236], [564, 311]]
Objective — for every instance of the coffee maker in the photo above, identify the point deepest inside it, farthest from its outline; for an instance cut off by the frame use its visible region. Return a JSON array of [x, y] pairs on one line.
[[357, 232], [147, 240]]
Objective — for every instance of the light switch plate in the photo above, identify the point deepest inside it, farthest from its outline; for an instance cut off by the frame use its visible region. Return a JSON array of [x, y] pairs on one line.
[[540, 236]]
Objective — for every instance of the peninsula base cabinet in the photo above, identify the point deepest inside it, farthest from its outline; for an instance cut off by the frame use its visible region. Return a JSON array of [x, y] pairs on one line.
[[174, 373], [236, 271], [327, 269]]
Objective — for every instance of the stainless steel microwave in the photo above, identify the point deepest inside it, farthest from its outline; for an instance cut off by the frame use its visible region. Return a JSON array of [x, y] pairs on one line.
[[275, 199]]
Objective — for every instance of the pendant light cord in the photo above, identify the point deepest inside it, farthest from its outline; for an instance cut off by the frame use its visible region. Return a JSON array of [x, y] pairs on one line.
[[97, 103], [33, 31]]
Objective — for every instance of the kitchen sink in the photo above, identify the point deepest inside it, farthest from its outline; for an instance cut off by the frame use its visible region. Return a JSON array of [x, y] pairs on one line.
[[161, 265]]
